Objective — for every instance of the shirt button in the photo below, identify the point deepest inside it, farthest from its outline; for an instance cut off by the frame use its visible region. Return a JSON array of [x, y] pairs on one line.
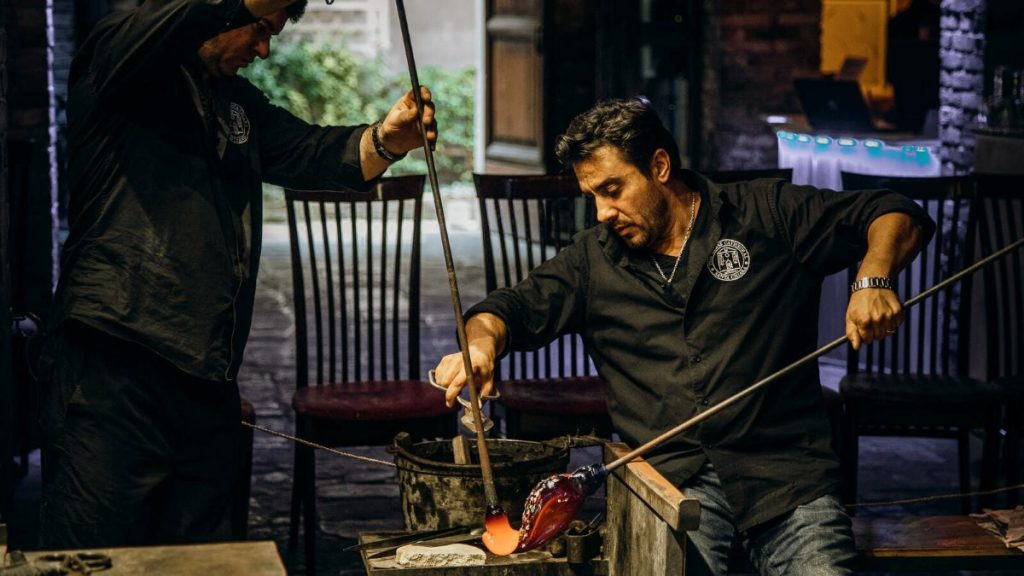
[[696, 359], [704, 402]]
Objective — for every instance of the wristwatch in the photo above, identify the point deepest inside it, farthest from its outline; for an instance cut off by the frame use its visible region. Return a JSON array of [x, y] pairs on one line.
[[871, 282]]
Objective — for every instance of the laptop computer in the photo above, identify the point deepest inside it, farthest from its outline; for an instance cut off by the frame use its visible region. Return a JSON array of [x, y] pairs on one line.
[[832, 104]]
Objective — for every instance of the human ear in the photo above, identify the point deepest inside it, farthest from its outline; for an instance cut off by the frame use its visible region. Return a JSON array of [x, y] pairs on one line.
[[661, 166]]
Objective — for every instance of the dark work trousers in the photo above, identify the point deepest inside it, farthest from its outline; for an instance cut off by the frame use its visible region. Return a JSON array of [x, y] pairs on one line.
[[139, 453]]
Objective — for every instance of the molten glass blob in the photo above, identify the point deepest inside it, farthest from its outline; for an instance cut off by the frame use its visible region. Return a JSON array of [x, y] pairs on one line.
[[500, 538], [550, 508]]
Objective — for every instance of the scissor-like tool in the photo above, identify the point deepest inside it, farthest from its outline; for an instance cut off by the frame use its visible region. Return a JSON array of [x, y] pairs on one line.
[[76, 562], [467, 416]]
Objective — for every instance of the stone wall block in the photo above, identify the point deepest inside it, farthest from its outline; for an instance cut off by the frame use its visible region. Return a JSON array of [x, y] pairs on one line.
[[952, 61]]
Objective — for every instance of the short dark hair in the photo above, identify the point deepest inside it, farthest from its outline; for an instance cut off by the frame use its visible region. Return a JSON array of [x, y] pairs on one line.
[[295, 10], [630, 125]]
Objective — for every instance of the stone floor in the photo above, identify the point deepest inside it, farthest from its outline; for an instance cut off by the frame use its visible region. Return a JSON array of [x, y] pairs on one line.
[[354, 496]]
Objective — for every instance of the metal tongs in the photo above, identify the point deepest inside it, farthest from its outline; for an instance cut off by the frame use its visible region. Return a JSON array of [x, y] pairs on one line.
[[440, 537]]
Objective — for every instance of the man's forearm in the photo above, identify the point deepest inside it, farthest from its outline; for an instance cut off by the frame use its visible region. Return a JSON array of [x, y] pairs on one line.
[[485, 329], [893, 241]]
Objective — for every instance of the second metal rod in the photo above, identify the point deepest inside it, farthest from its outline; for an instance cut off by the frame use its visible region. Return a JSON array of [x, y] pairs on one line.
[[490, 494]]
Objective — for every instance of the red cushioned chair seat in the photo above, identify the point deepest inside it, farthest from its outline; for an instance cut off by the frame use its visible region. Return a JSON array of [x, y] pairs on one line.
[[571, 396], [371, 401]]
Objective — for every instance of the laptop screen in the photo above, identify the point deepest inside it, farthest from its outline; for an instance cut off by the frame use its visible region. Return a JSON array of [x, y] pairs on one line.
[[833, 104]]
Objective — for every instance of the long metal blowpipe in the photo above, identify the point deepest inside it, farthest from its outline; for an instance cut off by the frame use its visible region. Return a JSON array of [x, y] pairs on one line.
[[556, 500], [500, 537]]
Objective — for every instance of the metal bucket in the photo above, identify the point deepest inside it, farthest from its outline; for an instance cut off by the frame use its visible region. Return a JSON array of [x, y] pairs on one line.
[[437, 493]]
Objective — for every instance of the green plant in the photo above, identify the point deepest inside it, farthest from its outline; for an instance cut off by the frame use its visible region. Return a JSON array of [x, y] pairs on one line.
[[325, 84]]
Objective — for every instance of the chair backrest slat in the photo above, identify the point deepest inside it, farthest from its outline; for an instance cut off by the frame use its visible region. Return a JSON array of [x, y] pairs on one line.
[[315, 277], [1000, 209], [343, 284], [357, 309], [329, 291], [360, 277]]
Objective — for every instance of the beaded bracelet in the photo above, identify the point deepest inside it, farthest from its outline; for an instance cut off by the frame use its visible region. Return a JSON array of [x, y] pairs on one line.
[[379, 146]]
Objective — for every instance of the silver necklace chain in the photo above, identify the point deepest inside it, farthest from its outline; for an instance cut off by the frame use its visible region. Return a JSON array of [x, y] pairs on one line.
[[693, 215]]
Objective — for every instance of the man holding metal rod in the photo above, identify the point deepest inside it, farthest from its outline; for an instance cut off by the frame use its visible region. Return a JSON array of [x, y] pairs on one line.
[[686, 293], [168, 152]]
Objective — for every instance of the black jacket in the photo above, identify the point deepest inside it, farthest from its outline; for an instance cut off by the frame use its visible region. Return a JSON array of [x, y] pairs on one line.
[[743, 304], [166, 172]]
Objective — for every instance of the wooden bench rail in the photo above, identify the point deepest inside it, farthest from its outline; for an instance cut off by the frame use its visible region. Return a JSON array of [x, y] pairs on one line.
[[647, 520], [654, 490]]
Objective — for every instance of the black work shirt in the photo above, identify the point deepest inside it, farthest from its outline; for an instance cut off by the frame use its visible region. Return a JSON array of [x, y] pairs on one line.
[[743, 304], [166, 170]]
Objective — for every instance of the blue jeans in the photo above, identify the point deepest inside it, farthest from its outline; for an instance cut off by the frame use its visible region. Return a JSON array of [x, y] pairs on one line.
[[815, 539]]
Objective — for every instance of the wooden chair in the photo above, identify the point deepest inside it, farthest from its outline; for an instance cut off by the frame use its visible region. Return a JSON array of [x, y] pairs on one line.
[[525, 221], [730, 176], [1000, 221], [243, 483], [356, 279], [915, 383]]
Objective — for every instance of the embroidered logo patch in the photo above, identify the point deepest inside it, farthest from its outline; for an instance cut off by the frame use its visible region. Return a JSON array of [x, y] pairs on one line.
[[238, 131], [729, 260]]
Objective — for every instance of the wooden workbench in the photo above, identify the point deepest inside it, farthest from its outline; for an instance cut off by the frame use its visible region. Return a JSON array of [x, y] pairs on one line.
[[257, 558], [648, 517]]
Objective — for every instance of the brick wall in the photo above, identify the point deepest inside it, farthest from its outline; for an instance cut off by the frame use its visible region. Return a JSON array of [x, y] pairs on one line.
[[755, 50], [961, 81]]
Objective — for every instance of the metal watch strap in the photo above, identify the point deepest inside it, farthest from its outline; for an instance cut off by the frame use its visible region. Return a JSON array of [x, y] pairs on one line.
[[379, 146], [871, 282]]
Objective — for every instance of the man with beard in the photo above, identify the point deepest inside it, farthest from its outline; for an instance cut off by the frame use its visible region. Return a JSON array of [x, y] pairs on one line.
[[687, 292], [168, 152]]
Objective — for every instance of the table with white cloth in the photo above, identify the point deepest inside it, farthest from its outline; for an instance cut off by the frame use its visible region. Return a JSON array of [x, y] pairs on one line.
[[819, 159]]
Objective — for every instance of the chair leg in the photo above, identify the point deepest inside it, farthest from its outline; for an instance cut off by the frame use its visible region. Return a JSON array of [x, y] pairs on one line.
[[302, 472], [298, 470], [309, 531], [963, 440], [990, 460], [849, 456], [240, 517], [512, 423], [1011, 455], [296, 509]]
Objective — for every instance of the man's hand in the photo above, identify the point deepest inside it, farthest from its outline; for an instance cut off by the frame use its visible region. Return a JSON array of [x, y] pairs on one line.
[[873, 314], [399, 132], [486, 335]]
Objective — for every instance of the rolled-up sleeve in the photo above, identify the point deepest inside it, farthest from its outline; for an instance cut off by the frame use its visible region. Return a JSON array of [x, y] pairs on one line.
[[549, 302], [828, 230], [297, 154]]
